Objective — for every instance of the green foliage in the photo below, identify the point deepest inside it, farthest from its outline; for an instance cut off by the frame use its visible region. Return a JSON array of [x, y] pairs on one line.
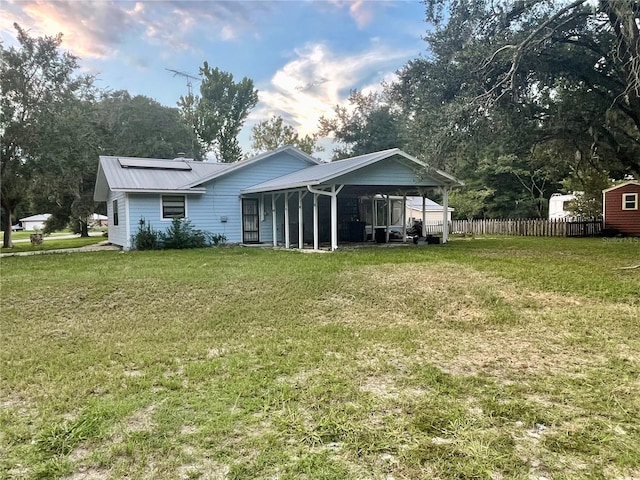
[[179, 235], [469, 203], [368, 125], [139, 126], [273, 133], [38, 81], [514, 96], [587, 185], [146, 238], [218, 114]]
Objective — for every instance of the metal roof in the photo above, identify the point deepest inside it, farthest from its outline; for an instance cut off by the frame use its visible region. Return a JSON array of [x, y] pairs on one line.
[[41, 217], [151, 175], [249, 161], [325, 172]]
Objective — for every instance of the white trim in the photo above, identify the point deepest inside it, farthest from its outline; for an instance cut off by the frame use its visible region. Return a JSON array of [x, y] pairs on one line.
[[192, 191], [127, 226], [634, 196], [630, 182]]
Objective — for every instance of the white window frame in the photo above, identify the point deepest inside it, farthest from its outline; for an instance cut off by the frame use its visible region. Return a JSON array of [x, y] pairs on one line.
[[626, 197], [169, 219], [115, 213]]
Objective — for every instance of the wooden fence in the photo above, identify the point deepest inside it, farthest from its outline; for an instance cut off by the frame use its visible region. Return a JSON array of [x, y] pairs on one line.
[[528, 227]]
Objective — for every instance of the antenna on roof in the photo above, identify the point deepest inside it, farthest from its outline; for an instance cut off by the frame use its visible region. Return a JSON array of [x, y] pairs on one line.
[[188, 76], [190, 120]]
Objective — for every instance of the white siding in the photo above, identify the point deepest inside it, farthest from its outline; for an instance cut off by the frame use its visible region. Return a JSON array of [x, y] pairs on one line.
[[117, 233]]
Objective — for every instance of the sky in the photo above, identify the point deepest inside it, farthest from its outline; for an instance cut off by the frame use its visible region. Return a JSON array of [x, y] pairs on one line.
[[304, 56]]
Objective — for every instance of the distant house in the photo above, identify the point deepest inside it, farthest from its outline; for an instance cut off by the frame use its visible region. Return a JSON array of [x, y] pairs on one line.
[[97, 220], [283, 197], [621, 208], [433, 211], [34, 222]]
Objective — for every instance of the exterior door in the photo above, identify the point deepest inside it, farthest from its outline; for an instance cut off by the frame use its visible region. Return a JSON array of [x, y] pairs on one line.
[[250, 220]]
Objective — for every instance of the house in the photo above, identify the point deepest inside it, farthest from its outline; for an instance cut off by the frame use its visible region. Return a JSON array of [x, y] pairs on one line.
[[559, 206], [433, 211], [283, 197], [97, 220], [34, 222], [621, 208]]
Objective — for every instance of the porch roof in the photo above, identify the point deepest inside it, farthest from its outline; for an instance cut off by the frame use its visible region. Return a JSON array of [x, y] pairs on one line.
[[326, 172]]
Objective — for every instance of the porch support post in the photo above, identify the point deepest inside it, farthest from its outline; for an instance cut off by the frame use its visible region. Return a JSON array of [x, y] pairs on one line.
[[274, 224], [334, 218], [333, 193], [404, 218], [374, 218], [445, 214], [286, 220], [388, 218], [301, 195], [316, 241], [424, 214]]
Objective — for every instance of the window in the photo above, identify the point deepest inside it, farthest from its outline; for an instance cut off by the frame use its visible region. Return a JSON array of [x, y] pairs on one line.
[[173, 206], [115, 212], [630, 201]]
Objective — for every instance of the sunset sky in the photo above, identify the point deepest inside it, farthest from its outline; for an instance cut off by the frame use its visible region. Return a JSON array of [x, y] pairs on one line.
[[303, 56]]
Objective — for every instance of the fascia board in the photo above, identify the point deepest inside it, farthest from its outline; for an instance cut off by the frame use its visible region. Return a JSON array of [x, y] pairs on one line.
[[630, 182], [177, 191]]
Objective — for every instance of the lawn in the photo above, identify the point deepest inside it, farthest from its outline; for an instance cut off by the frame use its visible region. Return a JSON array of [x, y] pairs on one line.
[[53, 243], [507, 358]]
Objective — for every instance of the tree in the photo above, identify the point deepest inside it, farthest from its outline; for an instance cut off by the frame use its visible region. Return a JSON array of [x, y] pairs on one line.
[[218, 114], [37, 79], [469, 203], [370, 124], [587, 184], [273, 133], [537, 53], [139, 126]]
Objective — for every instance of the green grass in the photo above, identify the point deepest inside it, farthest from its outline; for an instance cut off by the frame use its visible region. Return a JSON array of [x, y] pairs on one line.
[[486, 358], [51, 243]]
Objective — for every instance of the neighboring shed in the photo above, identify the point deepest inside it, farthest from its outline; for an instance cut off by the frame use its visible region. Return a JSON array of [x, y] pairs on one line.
[[34, 222], [621, 208]]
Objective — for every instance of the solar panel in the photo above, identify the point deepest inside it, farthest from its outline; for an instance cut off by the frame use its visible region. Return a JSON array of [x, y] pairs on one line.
[[153, 164]]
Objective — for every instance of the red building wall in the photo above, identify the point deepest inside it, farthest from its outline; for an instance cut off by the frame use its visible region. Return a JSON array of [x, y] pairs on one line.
[[626, 221]]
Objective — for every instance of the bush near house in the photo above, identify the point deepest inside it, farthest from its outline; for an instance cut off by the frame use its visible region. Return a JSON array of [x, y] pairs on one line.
[[179, 235]]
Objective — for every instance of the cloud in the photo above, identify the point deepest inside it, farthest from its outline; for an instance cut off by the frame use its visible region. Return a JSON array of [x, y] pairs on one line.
[[360, 10], [317, 79], [97, 28]]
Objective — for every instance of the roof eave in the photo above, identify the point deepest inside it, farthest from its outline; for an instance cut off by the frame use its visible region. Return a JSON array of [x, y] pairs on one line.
[[167, 191]]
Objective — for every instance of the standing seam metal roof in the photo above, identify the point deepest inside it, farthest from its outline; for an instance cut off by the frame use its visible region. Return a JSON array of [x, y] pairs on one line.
[[321, 173], [156, 174]]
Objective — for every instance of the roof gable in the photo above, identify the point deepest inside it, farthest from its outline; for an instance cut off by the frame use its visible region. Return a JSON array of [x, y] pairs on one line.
[[615, 187], [326, 172], [253, 160]]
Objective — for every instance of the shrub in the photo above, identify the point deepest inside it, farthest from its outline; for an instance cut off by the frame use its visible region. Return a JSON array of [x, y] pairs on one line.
[[146, 238], [179, 235]]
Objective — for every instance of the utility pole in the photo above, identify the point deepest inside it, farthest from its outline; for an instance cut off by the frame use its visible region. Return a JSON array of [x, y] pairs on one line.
[[190, 115]]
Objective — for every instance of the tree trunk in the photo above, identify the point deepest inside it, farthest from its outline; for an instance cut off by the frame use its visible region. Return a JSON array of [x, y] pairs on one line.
[[7, 220], [84, 229]]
